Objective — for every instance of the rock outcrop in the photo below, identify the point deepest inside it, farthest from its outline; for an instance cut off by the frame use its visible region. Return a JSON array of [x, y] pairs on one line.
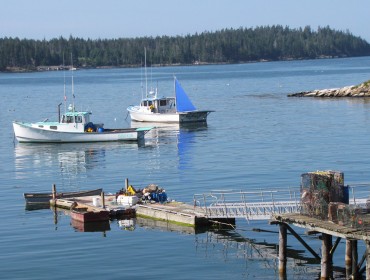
[[362, 90]]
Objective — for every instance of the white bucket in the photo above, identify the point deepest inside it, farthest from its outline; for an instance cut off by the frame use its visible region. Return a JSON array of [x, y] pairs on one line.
[[96, 201]]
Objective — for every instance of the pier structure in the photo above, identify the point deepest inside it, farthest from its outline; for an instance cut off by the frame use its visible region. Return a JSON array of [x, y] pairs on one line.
[[352, 233], [322, 205]]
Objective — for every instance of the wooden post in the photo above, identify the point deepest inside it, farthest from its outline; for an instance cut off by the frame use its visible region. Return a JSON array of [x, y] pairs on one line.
[[354, 259], [282, 250], [348, 258], [102, 199], [326, 259], [367, 260], [54, 192]]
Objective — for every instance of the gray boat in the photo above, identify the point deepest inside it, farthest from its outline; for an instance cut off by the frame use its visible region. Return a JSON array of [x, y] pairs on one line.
[[41, 198]]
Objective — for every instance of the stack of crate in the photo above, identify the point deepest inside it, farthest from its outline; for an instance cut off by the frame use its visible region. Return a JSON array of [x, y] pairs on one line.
[[322, 192]]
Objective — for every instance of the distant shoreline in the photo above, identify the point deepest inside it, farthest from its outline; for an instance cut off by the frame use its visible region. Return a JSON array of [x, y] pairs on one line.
[[42, 68]]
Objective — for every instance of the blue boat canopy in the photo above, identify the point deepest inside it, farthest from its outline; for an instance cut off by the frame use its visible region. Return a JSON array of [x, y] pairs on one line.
[[183, 103]]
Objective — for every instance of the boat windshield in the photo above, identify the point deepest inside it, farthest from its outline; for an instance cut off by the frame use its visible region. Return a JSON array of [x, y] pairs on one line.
[[67, 119], [146, 103], [74, 118]]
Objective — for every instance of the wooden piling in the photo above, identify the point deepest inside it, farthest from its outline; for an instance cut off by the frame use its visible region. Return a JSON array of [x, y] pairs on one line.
[[354, 259], [326, 258], [102, 199], [354, 267], [367, 260], [348, 258], [54, 192], [282, 250]]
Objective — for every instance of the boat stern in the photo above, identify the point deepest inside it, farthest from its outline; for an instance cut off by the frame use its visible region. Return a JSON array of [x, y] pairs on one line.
[[194, 116]]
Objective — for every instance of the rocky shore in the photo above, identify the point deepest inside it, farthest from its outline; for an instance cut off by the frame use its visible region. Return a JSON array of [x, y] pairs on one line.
[[362, 90]]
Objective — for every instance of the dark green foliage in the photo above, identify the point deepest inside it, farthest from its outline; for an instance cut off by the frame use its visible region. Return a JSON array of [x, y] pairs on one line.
[[224, 46]]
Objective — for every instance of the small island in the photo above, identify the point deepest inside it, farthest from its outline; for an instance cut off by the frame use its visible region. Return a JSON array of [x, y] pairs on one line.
[[361, 90]]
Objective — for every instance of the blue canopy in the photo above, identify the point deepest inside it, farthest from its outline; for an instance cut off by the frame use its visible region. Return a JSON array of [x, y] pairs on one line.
[[183, 103]]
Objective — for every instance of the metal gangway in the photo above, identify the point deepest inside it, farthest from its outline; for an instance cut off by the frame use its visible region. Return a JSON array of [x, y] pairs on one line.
[[259, 204]]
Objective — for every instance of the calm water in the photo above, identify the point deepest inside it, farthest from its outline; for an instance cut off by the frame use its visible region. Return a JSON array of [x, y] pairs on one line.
[[257, 137]]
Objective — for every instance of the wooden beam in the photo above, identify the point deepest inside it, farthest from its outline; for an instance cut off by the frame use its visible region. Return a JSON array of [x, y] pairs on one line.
[[303, 242], [361, 262], [335, 245]]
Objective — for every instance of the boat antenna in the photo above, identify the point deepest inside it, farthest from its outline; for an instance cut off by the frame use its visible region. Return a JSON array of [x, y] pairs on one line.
[[151, 76], [174, 87], [146, 76], [64, 90], [141, 78], [73, 93]]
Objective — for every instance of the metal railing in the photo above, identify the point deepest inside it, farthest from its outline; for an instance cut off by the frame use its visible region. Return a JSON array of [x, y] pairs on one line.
[[253, 204], [261, 204]]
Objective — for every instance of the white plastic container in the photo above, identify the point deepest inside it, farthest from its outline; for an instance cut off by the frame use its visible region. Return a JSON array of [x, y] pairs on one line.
[[96, 201], [127, 200]]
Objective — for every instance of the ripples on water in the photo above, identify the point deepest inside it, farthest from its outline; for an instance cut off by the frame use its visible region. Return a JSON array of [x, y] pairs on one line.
[[257, 137]]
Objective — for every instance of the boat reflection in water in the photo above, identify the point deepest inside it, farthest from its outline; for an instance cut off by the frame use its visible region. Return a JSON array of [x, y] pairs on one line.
[[176, 136], [67, 159]]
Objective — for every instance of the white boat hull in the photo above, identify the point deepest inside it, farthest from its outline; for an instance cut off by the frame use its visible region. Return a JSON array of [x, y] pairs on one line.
[[24, 132], [193, 116]]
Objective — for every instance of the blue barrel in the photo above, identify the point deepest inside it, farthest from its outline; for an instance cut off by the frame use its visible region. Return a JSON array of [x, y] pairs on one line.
[[162, 197], [100, 129], [154, 196]]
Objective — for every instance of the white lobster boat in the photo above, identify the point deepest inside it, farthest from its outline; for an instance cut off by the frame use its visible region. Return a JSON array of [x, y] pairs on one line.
[[74, 127], [178, 109]]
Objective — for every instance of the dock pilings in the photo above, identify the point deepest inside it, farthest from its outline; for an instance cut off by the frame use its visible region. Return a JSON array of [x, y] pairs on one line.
[[352, 264]]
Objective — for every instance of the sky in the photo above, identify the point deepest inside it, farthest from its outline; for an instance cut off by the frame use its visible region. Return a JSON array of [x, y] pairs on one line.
[[107, 19]]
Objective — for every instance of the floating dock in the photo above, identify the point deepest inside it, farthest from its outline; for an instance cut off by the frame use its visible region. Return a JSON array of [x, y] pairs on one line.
[[95, 204], [180, 213], [171, 212]]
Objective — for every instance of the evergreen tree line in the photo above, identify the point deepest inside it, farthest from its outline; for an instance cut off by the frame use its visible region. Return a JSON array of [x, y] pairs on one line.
[[224, 46]]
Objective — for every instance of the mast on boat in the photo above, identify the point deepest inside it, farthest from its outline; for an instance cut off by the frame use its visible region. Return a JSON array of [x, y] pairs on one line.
[[174, 90], [73, 93], [64, 90], [146, 76]]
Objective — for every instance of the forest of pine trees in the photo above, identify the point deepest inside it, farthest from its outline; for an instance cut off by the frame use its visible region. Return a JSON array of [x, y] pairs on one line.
[[224, 46]]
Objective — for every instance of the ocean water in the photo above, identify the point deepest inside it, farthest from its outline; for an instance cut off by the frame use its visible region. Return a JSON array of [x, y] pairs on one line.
[[256, 138]]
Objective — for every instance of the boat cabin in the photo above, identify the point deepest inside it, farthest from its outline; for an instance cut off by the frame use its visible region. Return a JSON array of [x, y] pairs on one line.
[[160, 105], [79, 121], [76, 117]]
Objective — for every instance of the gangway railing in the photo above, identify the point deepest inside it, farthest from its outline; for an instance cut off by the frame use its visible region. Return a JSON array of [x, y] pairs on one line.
[[252, 205], [261, 204]]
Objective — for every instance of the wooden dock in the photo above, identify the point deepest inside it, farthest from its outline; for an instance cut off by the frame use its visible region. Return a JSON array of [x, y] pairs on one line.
[[180, 213], [328, 230], [171, 212], [106, 203]]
